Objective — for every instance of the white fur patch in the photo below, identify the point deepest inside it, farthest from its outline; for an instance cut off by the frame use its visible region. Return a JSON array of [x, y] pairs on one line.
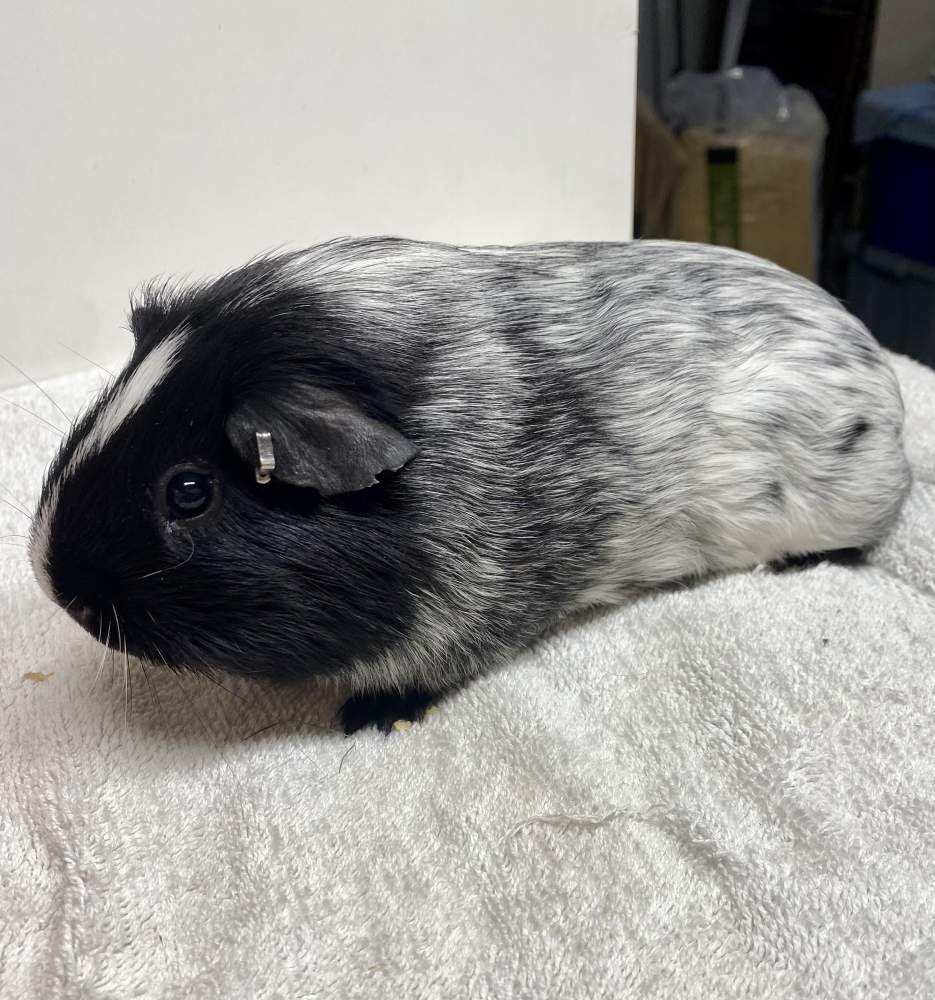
[[721, 391], [129, 398], [123, 403]]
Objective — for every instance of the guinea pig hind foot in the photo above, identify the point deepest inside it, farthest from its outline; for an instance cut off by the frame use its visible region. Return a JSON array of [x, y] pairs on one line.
[[384, 709], [840, 557]]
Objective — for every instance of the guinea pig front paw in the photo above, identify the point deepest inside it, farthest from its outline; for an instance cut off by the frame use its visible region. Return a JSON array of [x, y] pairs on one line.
[[384, 709]]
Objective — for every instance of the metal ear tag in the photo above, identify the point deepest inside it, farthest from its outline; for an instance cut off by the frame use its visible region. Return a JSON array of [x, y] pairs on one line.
[[266, 456]]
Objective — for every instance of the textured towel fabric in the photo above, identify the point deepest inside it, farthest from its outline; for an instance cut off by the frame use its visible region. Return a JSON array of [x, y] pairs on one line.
[[726, 790]]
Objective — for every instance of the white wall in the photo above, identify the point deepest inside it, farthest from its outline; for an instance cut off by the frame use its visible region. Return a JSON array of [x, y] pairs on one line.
[[904, 46], [182, 137]]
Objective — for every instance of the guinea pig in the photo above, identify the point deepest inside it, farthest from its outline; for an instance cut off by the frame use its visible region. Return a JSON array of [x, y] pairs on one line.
[[392, 463]]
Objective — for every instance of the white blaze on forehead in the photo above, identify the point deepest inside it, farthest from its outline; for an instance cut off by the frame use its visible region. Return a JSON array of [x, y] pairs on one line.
[[150, 372], [124, 402]]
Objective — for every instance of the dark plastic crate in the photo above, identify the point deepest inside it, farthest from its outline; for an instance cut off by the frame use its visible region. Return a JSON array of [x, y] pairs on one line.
[[897, 125], [895, 297], [901, 203]]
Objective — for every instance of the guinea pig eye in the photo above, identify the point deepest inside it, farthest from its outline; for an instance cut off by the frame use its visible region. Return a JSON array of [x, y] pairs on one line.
[[188, 493]]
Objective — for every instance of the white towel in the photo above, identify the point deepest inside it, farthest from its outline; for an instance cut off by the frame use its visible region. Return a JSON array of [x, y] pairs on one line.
[[727, 790]]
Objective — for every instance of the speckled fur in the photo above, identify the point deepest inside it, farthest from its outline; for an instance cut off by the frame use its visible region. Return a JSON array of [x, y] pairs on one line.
[[592, 419]]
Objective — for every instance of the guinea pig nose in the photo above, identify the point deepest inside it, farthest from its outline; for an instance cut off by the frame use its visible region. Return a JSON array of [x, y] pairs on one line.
[[82, 614]]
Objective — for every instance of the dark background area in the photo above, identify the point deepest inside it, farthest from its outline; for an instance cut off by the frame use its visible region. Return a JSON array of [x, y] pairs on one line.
[[837, 50]]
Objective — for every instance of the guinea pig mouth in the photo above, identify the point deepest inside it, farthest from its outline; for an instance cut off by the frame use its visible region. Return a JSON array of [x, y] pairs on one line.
[[101, 626], [86, 617], [106, 626]]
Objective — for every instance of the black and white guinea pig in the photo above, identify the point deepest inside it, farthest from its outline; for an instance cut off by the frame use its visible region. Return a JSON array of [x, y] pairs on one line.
[[391, 462]]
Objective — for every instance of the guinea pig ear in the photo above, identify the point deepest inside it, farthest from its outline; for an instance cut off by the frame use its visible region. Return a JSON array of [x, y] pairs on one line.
[[319, 438], [147, 321]]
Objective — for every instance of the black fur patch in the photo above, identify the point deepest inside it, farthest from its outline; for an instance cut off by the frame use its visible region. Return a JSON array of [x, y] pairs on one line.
[[852, 435], [278, 580], [775, 494]]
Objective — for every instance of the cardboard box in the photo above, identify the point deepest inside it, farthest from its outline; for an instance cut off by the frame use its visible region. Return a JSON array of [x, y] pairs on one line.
[[660, 161], [755, 192]]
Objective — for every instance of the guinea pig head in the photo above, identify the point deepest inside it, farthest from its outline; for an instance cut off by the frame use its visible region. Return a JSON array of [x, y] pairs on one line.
[[225, 502]]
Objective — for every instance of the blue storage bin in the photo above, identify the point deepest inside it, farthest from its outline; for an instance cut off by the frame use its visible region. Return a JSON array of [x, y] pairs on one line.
[[895, 297], [901, 202], [898, 123]]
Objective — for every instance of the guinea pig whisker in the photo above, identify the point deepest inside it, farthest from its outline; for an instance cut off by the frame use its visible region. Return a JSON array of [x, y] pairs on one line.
[[153, 693], [165, 663], [84, 357], [117, 624], [24, 537], [217, 743], [127, 686], [169, 569], [159, 652], [263, 729], [17, 500], [100, 667], [56, 611], [187, 696], [122, 647], [33, 382], [48, 423], [214, 680], [13, 506]]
